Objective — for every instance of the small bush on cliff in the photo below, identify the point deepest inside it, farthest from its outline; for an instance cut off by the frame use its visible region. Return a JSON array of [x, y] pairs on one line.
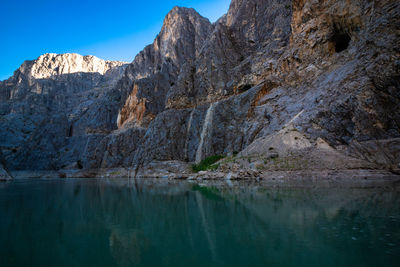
[[207, 164]]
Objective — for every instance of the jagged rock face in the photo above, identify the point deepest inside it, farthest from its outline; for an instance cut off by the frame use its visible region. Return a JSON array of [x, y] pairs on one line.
[[49, 71], [333, 72], [54, 66], [180, 39], [250, 30], [219, 128], [330, 75], [116, 149], [346, 65], [155, 70], [45, 99], [302, 79]]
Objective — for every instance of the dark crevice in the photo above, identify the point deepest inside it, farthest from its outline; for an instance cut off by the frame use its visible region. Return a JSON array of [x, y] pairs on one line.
[[70, 131], [79, 164], [244, 88], [341, 40]]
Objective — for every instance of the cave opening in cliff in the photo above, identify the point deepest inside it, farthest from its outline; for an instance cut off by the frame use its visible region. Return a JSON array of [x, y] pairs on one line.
[[341, 40]]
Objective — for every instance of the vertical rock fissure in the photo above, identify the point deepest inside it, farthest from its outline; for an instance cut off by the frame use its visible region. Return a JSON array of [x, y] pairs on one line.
[[205, 131], [70, 131]]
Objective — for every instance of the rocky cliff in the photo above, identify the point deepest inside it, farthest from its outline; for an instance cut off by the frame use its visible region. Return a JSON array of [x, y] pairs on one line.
[[43, 107], [295, 84]]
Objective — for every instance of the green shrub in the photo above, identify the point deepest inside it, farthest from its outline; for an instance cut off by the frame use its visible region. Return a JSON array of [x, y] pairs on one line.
[[207, 164]]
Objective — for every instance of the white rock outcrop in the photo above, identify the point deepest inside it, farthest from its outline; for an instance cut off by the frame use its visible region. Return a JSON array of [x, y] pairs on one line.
[[50, 65]]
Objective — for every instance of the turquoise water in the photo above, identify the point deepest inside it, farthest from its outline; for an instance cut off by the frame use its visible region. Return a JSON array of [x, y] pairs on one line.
[[67, 222]]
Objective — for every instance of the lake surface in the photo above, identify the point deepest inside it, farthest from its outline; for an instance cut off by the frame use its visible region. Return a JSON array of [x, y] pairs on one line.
[[77, 222]]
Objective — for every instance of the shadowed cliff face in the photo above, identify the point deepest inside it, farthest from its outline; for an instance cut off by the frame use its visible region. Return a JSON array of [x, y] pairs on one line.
[[316, 80], [155, 70], [222, 69], [43, 109]]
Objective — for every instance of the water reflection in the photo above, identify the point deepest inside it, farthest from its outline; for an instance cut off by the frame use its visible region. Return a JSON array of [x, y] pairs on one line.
[[146, 223]]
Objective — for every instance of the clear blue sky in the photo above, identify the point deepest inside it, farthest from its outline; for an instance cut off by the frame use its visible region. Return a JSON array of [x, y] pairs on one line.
[[114, 30]]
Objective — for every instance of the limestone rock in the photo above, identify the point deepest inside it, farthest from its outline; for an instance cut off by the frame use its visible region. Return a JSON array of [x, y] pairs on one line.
[[250, 28], [316, 81], [44, 106], [155, 70], [54, 65]]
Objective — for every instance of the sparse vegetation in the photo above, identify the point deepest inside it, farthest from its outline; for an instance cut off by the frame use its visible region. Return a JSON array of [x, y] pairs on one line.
[[291, 162], [207, 164]]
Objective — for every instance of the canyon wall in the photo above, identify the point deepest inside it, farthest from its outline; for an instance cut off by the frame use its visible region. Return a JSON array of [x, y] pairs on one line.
[[313, 83]]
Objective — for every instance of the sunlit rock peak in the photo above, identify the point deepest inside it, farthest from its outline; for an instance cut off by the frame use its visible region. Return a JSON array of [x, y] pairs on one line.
[[49, 65]]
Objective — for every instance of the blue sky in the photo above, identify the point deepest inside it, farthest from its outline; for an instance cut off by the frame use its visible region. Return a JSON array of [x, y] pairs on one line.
[[113, 30]]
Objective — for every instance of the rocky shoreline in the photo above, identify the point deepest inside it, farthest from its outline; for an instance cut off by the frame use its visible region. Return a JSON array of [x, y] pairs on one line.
[[357, 178]]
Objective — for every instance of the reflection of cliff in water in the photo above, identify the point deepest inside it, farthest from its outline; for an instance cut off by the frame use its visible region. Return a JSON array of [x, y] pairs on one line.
[[131, 223], [127, 247]]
